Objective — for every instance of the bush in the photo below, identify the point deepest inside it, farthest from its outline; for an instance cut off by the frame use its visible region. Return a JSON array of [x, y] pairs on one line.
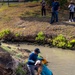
[[60, 41], [40, 37], [17, 35], [4, 33], [71, 44], [20, 70]]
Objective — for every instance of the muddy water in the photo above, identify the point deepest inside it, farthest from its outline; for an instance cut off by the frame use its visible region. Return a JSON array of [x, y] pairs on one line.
[[61, 62]]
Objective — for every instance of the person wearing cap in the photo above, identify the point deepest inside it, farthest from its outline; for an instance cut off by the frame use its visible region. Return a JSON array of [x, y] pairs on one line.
[[32, 59], [71, 13]]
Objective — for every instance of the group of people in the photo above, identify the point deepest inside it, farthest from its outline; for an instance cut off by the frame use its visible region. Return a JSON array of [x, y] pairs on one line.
[[35, 63], [55, 9]]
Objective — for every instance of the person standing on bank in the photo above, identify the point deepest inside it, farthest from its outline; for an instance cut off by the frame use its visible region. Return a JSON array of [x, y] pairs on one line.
[[72, 10], [43, 8], [55, 8], [32, 59]]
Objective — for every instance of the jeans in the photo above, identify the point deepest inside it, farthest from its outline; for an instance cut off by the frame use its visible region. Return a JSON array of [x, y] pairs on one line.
[[31, 69], [54, 17]]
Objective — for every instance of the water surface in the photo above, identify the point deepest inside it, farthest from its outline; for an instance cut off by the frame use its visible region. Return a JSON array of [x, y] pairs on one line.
[[61, 62]]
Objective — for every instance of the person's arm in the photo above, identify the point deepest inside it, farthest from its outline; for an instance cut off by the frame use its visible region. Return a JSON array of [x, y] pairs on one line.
[[31, 61], [30, 58], [58, 6], [69, 6]]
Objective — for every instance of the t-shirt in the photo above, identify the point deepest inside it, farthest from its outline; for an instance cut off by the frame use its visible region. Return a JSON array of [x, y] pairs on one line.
[[32, 57], [55, 6], [71, 7]]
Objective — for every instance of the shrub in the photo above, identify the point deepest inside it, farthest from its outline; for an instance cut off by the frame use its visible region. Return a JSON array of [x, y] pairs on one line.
[[20, 70], [61, 44], [17, 35], [4, 33], [60, 41], [19, 55], [69, 45], [72, 43], [40, 37]]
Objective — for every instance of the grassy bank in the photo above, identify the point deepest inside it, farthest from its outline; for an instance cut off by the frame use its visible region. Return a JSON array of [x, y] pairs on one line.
[[59, 41], [23, 22]]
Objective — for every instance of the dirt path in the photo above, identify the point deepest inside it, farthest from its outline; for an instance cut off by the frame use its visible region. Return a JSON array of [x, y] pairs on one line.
[[61, 62]]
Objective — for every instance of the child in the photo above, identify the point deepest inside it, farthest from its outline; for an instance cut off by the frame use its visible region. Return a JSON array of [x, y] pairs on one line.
[[71, 14]]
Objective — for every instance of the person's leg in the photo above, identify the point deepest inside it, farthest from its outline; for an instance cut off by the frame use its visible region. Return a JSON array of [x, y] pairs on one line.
[[56, 16], [52, 18], [32, 68], [29, 69], [72, 16], [44, 11]]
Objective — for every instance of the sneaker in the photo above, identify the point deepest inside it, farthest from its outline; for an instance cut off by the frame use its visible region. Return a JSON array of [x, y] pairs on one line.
[[69, 20]]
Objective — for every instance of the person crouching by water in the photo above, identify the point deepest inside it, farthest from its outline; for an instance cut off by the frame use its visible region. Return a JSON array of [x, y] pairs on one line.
[[55, 8], [32, 59], [71, 13], [43, 8]]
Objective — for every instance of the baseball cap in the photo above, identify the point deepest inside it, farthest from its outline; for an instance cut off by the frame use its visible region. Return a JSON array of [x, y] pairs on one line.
[[37, 50]]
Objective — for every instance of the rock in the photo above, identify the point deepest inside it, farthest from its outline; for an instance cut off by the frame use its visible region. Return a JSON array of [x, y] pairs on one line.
[[6, 64], [9, 64], [6, 59]]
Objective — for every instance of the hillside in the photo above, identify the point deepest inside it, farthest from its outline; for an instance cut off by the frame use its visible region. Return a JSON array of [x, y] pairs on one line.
[[26, 19]]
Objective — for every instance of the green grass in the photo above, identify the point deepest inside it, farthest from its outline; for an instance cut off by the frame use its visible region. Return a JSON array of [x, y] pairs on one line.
[[3, 7], [19, 55], [6, 49]]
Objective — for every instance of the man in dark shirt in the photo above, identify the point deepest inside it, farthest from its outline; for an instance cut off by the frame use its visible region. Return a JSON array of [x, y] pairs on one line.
[[32, 59], [55, 8]]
